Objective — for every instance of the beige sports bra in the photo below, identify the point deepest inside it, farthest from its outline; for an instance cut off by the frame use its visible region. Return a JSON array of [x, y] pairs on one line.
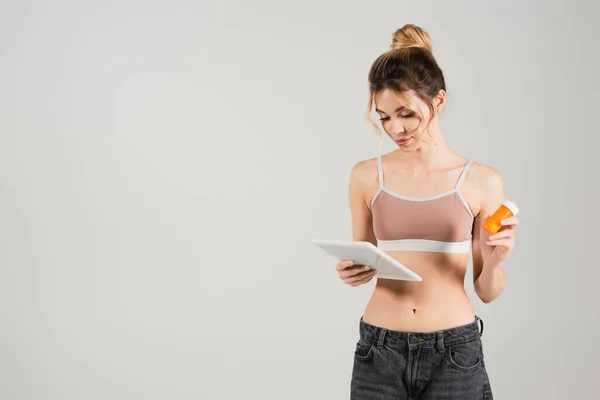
[[442, 223]]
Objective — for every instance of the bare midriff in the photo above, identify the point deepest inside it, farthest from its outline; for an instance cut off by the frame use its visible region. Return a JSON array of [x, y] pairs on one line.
[[438, 302]]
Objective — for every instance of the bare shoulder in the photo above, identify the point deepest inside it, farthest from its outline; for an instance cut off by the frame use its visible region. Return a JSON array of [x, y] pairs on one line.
[[363, 182], [483, 187], [484, 177], [364, 172]]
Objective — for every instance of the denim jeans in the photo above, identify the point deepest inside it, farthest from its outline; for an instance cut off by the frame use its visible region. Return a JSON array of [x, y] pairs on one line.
[[443, 365]]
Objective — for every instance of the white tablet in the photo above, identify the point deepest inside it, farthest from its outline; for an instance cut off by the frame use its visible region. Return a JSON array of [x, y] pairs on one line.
[[365, 253]]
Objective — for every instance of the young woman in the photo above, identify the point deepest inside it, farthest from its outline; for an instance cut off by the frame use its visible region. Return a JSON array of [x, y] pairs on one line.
[[425, 205]]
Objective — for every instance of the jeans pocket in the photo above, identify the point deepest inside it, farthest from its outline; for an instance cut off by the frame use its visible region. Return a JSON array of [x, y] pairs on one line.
[[465, 357], [364, 350]]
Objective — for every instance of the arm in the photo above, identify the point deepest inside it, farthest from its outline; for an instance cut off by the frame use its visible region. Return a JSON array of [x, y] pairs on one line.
[[362, 228], [488, 274], [360, 211]]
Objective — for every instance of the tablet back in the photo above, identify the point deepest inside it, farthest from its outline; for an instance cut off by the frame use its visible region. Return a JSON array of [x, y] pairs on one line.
[[365, 253]]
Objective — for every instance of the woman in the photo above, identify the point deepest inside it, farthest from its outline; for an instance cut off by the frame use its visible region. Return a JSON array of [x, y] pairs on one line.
[[425, 205]]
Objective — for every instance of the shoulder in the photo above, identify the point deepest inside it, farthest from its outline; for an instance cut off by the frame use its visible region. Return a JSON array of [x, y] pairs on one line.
[[486, 186], [485, 178], [364, 181], [364, 172]]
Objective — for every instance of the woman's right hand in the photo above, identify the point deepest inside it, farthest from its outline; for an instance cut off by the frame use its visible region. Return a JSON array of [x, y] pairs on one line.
[[354, 275]]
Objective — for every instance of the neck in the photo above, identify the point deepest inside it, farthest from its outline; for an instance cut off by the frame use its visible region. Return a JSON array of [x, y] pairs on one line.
[[430, 153]]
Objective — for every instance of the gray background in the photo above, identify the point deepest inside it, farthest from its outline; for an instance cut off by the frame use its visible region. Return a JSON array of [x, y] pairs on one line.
[[163, 166]]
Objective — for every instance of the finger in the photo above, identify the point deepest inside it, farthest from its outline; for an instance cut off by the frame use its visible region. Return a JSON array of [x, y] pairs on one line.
[[363, 281], [343, 264], [501, 234], [350, 272], [355, 272], [508, 242], [362, 278], [358, 276], [510, 222]]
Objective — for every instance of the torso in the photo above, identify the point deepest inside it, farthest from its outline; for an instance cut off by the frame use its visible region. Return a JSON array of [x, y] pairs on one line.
[[439, 301]]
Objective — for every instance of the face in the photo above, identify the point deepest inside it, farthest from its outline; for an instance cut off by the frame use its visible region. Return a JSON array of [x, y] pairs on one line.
[[404, 118]]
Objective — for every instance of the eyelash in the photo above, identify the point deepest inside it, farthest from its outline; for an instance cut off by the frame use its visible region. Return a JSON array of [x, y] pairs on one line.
[[402, 116]]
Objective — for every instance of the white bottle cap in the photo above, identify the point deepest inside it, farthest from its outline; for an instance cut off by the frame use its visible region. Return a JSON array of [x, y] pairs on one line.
[[511, 206]]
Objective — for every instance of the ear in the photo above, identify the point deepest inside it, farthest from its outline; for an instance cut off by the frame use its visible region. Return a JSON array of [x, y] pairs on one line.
[[440, 100]]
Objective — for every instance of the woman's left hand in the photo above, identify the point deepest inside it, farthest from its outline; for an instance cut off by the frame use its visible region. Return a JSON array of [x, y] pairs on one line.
[[496, 248]]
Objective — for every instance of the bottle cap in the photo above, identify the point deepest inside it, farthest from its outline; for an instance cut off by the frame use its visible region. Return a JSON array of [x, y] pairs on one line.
[[511, 206]]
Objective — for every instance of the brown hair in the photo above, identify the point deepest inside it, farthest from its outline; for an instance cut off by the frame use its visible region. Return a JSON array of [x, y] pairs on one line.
[[408, 65]]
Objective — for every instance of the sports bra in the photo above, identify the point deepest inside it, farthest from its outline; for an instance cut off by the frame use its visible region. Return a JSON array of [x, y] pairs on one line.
[[442, 223]]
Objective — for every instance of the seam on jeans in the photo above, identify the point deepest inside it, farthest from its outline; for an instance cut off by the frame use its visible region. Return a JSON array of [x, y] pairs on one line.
[[367, 341], [464, 370], [462, 340], [369, 346]]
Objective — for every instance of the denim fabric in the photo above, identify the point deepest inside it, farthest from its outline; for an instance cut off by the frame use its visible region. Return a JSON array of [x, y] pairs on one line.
[[446, 364]]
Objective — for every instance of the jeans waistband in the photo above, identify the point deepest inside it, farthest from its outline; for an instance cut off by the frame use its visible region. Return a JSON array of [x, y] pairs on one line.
[[441, 338]]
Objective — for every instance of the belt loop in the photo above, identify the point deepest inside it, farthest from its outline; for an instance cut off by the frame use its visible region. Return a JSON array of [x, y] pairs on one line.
[[440, 341], [480, 321], [381, 337]]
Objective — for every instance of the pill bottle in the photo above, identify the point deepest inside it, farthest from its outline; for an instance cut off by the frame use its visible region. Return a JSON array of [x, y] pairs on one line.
[[506, 210]]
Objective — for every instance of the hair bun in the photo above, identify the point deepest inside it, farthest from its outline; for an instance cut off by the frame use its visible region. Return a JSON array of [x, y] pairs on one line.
[[411, 36]]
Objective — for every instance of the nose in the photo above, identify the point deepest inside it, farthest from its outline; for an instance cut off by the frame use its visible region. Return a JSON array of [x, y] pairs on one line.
[[397, 127]]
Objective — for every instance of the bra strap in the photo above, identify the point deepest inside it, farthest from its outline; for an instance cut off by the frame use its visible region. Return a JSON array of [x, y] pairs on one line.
[[380, 170], [461, 178]]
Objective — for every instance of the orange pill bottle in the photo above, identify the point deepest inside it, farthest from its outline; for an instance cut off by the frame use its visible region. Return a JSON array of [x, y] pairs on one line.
[[506, 210]]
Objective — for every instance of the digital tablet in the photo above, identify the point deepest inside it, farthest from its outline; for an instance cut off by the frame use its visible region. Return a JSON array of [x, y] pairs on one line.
[[365, 253]]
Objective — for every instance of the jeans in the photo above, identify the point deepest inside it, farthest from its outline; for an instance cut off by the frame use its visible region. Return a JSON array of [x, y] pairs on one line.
[[443, 365]]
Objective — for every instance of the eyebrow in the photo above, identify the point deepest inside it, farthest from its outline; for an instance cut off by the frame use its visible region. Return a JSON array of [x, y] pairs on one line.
[[397, 110]]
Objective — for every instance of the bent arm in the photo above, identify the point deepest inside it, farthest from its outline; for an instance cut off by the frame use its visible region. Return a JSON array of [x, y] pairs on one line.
[[489, 280]]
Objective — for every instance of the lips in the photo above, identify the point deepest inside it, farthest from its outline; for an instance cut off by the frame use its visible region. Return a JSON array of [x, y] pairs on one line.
[[404, 141]]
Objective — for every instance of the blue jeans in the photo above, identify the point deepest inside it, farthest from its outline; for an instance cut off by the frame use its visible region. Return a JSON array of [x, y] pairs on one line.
[[447, 364]]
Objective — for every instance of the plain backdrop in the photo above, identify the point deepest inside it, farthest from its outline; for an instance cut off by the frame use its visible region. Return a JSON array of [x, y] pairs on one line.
[[164, 164]]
